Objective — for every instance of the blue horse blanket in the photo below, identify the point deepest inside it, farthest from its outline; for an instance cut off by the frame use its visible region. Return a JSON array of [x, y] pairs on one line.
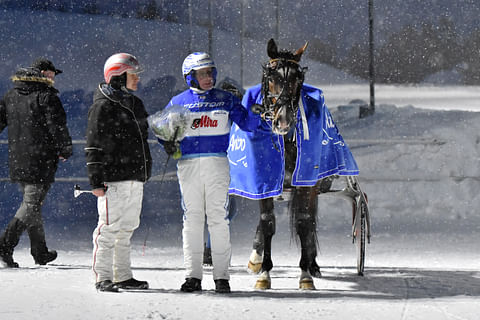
[[257, 159]]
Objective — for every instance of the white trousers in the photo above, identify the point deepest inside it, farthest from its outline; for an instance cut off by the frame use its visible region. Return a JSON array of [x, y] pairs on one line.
[[118, 216], [204, 185]]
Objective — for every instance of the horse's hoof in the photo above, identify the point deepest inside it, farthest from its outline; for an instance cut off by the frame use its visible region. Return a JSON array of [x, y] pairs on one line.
[[262, 284], [306, 284], [254, 267], [306, 281]]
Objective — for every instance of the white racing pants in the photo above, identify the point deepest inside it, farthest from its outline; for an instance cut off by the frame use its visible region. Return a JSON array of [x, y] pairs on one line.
[[204, 185], [118, 216]]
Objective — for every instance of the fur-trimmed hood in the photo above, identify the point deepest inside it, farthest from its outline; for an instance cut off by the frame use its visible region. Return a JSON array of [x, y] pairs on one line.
[[31, 75]]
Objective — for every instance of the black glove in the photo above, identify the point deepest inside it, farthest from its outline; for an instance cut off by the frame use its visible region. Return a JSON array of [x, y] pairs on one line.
[[257, 108], [170, 147]]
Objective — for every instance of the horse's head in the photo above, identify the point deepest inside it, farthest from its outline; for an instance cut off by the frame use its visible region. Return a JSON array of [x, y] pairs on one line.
[[281, 84]]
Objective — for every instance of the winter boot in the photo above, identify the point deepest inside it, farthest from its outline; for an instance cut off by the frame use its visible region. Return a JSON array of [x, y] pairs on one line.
[[46, 257], [222, 286], [106, 286], [7, 259], [38, 246], [191, 284], [9, 240], [132, 284]]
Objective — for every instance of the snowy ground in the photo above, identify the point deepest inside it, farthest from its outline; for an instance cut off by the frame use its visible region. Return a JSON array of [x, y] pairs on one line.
[[406, 278], [420, 168]]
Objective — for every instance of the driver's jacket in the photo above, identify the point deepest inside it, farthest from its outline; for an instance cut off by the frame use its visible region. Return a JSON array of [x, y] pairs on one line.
[[209, 120]]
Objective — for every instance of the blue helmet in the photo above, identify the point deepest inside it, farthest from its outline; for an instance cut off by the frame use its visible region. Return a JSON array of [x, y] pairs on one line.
[[196, 61]]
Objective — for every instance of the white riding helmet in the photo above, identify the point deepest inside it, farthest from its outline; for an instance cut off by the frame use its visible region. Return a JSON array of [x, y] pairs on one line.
[[120, 63], [196, 61]]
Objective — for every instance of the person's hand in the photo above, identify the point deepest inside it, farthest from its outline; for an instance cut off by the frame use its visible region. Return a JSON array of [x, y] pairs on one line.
[[170, 147], [257, 109], [100, 192]]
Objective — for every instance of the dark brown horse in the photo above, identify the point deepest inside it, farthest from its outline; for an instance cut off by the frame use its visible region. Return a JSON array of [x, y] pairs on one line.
[[282, 82]]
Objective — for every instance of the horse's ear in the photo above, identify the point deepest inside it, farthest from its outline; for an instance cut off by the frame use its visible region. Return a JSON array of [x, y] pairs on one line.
[[272, 49], [298, 54]]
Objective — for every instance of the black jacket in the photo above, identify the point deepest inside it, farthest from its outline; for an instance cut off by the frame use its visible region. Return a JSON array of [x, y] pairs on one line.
[[37, 130], [117, 132]]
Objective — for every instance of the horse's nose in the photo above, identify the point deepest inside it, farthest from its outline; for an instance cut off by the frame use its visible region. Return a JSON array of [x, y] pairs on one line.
[[281, 127], [280, 132]]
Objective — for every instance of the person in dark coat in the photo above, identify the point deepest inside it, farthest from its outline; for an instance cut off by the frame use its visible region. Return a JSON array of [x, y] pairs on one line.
[[37, 138], [118, 164]]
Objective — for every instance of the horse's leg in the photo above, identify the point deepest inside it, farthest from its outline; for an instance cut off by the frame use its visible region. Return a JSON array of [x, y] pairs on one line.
[[304, 209], [267, 224], [263, 242], [256, 257]]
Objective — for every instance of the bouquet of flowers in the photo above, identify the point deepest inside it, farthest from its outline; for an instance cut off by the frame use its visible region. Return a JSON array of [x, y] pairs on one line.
[[169, 124]]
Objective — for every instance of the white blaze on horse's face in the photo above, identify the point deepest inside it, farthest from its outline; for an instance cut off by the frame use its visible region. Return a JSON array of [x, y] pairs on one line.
[[281, 125]]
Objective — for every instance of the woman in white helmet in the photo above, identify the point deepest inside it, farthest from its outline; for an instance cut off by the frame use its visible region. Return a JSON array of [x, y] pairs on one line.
[[203, 169], [118, 164]]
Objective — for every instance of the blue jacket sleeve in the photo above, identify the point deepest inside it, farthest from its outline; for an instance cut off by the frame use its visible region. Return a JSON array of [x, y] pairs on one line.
[[250, 98], [244, 117]]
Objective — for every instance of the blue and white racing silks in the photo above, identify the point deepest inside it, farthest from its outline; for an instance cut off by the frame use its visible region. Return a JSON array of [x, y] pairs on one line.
[[208, 121], [257, 158]]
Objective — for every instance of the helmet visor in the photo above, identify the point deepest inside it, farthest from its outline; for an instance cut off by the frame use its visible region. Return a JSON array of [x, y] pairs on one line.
[[136, 69]]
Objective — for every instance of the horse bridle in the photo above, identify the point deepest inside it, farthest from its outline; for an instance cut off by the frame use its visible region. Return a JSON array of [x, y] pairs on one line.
[[272, 102]]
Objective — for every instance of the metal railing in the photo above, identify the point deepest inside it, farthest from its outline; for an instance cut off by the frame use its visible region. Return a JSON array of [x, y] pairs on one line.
[[353, 143]]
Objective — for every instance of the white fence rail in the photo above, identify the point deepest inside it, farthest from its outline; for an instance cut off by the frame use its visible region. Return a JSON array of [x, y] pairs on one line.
[[352, 143]]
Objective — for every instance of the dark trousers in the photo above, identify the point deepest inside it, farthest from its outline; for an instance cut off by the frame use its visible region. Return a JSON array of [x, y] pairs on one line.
[[28, 217]]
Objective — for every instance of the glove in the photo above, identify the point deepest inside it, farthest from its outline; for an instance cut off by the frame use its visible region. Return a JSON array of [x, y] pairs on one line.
[[257, 108], [170, 147]]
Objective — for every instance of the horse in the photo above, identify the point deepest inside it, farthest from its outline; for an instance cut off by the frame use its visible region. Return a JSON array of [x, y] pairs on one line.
[[281, 86], [282, 80]]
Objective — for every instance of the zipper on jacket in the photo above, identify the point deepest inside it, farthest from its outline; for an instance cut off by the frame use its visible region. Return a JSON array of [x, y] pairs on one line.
[[141, 137]]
